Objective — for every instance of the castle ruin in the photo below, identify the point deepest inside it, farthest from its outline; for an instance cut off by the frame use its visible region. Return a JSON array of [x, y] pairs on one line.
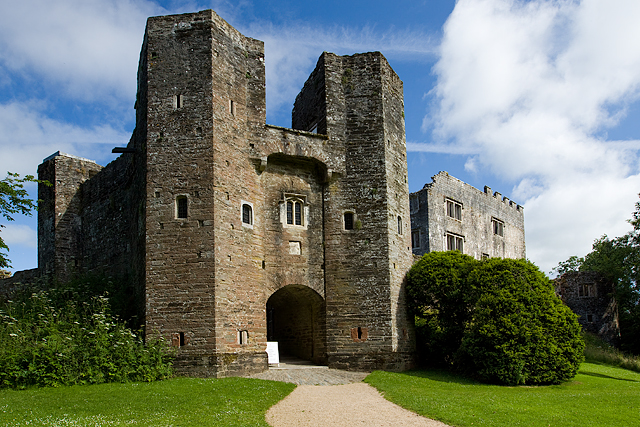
[[236, 232]]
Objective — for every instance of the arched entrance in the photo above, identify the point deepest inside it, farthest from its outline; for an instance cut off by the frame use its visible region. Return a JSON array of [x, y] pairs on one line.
[[296, 320]]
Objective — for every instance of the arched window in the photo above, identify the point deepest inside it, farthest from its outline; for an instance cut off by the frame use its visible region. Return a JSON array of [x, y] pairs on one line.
[[399, 225], [294, 212], [247, 214], [181, 207]]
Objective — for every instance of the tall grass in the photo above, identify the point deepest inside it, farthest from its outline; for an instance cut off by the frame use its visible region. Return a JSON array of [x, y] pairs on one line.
[[48, 341], [599, 351]]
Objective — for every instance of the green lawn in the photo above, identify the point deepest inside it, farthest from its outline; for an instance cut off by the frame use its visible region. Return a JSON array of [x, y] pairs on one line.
[[176, 402], [599, 395]]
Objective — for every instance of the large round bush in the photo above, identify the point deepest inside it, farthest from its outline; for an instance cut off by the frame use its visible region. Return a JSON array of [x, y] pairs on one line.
[[520, 332], [498, 319]]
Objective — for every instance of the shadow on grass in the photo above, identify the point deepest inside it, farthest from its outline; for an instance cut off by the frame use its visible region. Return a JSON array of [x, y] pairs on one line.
[[440, 375], [595, 374]]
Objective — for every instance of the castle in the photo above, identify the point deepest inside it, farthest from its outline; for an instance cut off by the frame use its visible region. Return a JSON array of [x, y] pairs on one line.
[[448, 215], [236, 232]]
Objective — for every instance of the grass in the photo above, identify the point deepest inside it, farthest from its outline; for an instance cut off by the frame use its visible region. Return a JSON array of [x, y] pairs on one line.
[[599, 395], [176, 402], [597, 350]]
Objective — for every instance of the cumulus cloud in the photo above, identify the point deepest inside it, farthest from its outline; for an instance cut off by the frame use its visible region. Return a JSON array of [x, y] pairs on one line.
[[527, 89], [28, 135], [291, 52], [87, 49], [19, 235]]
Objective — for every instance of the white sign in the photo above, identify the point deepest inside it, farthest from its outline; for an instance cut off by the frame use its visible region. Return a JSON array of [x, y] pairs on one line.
[[272, 353]]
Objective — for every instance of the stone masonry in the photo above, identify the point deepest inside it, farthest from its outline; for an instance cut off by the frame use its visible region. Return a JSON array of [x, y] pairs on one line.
[[591, 297], [236, 232], [448, 214]]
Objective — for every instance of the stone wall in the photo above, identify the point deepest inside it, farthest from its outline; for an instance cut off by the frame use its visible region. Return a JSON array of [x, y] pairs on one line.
[[591, 297], [234, 230], [479, 212]]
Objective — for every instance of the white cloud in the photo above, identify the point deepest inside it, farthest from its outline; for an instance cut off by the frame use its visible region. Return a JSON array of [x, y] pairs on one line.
[[16, 234], [525, 87], [27, 136], [291, 52], [90, 48]]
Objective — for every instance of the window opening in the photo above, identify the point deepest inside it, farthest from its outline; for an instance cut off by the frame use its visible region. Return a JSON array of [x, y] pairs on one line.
[[454, 210], [454, 242], [178, 101], [243, 337], [294, 212], [232, 107], [348, 220], [181, 206], [414, 203], [298, 213], [247, 214], [498, 226], [586, 290], [415, 239], [590, 318], [181, 339], [399, 225]]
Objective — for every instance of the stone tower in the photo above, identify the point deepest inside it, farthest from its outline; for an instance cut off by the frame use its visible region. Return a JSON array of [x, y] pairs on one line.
[[237, 232]]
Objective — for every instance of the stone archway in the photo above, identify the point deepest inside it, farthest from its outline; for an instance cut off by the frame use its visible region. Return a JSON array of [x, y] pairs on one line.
[[296, 320]]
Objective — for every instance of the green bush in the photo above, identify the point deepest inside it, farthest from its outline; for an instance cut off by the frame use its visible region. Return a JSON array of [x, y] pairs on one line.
[[48, 341], [498, 319], [520, 332], [440, 296]]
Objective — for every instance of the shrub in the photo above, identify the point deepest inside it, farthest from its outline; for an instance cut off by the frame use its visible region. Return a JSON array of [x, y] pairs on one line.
[[520, 331], [498, 319], [440, 297], [45, 342]]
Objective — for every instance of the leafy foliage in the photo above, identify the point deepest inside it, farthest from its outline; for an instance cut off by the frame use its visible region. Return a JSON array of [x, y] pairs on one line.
[[498, 319], [14, 199], [617, 259], [440, 296], [47, 340]]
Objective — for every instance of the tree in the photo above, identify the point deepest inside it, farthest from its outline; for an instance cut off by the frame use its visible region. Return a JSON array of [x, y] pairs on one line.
[[14, 199], [618, 260], [498, 319]]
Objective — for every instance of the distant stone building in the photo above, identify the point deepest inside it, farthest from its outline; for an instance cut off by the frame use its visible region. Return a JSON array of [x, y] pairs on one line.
[[591, 297], [236, 232], [448, 214]]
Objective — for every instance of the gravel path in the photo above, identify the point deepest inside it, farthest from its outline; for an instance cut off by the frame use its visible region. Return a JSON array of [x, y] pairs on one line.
[[346, 402], [356, 404]]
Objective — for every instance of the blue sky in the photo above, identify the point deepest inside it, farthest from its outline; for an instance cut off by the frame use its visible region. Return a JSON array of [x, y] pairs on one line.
[[536, 99]]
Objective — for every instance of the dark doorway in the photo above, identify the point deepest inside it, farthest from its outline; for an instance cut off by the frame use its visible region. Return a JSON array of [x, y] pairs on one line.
[[296, 320]]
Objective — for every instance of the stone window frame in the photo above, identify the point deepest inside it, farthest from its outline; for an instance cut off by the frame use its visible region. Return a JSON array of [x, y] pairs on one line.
[[178, 208], [294, 199], [244, 203], [415, 241], [453, 208], [497, 226], [400, 225], [354, 218], [414, 203], [587, 290], [457, 239], [242, 337]]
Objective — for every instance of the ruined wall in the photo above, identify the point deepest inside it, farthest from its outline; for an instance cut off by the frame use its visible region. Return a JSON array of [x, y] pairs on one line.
[[431, 222], [60, 238], [195, 210], [364, 266], [591, 297]]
